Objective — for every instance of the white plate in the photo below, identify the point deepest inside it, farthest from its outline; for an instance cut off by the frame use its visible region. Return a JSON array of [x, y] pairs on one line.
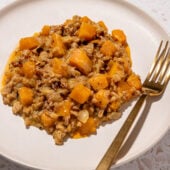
[[35, 148]]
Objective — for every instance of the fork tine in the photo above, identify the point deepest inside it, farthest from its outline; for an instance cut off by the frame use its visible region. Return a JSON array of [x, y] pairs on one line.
[[165, 67], [167, 78], [155, 61], [160, 62]]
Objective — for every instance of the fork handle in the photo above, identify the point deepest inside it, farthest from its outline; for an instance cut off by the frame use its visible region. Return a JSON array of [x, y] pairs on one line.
[[112, 152]]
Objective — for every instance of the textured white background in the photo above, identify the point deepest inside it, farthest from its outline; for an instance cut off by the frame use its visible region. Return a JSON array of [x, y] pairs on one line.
[[158, 157]]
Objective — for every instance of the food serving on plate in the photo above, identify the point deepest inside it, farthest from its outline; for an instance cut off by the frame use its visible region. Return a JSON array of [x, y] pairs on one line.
[[68, 79]]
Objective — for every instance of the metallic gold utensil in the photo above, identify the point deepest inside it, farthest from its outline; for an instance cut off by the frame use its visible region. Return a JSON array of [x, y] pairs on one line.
[[154, 85]]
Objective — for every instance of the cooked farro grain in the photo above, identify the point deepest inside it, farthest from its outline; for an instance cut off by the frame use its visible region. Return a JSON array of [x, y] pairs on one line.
[[68, 79]]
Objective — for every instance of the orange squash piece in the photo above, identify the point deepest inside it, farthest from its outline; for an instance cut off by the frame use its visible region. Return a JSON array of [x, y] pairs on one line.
[[46, 120], [102, 24], [64, 109], [45, 30], [116, 68], [88, 128], [126, 89], [87, 31], [108, 48], [80, 60], [80, 93], [85, 19], [59, 48], [28, 43], [99, 82], [134, 81], [119, 35], [25, 96], [127, 49], [59, 67], [115, 105], [101, 98], [28, 69]]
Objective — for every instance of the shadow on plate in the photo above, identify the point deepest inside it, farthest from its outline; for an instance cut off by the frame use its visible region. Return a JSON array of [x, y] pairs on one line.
[[137, 128]]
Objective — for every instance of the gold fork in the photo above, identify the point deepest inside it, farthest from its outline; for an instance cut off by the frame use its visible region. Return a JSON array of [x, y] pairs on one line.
[[154, 85]]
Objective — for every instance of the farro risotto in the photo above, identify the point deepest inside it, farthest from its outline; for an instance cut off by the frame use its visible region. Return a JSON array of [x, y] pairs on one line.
[[68, 79]]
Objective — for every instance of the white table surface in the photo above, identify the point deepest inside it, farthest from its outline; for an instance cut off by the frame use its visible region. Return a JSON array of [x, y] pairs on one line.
[[158, 157]]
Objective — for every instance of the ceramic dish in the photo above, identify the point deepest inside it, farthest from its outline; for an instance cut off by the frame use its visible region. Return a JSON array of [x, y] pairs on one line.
[[34, 148]]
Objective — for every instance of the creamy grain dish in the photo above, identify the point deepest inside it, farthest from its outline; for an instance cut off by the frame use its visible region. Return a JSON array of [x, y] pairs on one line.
[[68, 79]]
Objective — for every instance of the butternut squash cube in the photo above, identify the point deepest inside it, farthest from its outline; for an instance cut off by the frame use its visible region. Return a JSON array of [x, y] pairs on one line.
[[80, 93], [127, 49], [101, 98], [59, 48], [108, 48], [28, 69], [80, 60], [125, 89], [87, 31], [85, 19], [64, 109], [45, 30], [88, 128], [28, 43], [119, 35], [116, 69], [115, 105], [25, 96], [134, 81], [46, 120], [59, 67], [102, 24], [99, 82]]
